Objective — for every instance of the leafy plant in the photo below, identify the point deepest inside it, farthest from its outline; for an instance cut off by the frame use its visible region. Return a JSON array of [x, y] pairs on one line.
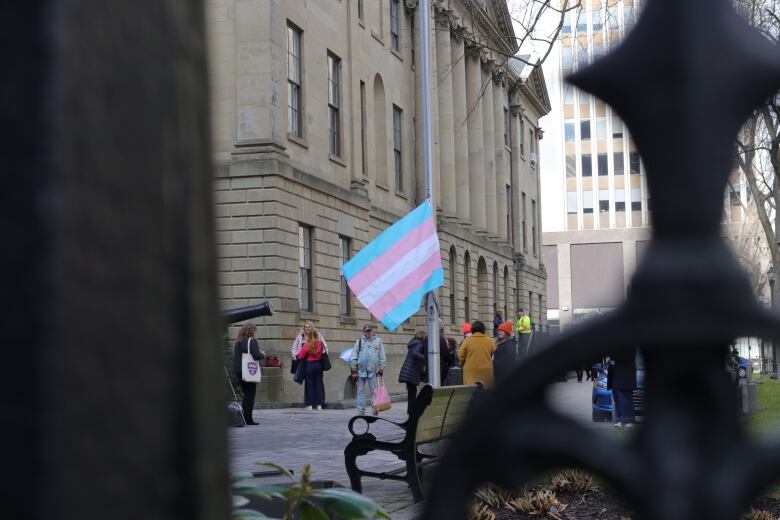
[[299, 496]]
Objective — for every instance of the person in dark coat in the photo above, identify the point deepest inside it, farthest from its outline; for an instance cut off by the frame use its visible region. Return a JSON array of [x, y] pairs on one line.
[[623, 383], [446, 355], [413, 369], [246, 335], [498, 319], [507, 353]]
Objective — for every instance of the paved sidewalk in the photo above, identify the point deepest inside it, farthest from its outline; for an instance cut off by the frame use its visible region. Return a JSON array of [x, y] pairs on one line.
[[292, 437]]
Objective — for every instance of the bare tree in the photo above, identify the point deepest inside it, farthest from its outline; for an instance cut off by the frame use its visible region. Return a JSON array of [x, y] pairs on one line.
[[758, 144]]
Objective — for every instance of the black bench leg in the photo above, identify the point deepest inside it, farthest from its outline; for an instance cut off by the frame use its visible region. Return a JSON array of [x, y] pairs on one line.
[[413, 475], [350, 463]]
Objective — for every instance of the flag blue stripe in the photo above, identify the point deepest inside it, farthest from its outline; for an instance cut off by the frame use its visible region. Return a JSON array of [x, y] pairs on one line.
[[411, 305], [386, 239]]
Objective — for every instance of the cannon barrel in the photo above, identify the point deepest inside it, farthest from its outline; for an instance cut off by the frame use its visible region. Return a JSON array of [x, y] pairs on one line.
[[245, 313]]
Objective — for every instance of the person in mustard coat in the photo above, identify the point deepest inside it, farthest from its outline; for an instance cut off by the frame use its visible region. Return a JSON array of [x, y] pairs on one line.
[[476, 356]]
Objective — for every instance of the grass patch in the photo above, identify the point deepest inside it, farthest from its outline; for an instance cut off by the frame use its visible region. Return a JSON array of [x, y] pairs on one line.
[[766, 420]]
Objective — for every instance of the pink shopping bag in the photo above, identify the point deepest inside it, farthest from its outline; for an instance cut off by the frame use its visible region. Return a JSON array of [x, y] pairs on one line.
[[381, 401]]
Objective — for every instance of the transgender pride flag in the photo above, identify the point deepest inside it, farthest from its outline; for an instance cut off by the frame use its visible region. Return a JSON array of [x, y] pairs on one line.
[[392, 273]]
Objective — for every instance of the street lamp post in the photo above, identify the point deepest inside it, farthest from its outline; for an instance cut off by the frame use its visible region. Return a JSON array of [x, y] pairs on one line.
[[771, 275]]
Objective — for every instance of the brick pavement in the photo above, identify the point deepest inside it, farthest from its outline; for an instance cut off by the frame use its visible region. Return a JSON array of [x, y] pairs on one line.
[[292, 437]]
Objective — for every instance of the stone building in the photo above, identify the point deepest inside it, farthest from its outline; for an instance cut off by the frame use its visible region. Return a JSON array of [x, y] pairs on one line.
[[316, 113], [597, 211]]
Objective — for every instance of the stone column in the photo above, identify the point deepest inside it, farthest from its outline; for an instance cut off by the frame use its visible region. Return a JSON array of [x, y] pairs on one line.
[[476, 140], [460, 128], [515, 114], [488, 139], [502, 164], [446, 131]]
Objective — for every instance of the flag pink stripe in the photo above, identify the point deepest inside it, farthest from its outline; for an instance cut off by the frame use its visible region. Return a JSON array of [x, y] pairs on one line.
[[388, 259], [406, 286]]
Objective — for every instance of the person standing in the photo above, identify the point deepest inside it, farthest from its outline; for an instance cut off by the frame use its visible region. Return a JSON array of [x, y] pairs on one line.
[[413, 369], [623, 383], [506, 355], [498, 319], [300, 339], [368, 362], [246, 343], [466, 329], [475, 356], [311, 351], [446, 355], [523, 327]]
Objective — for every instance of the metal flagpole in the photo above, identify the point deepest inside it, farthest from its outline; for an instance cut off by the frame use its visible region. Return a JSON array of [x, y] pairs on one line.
[[431, 306]]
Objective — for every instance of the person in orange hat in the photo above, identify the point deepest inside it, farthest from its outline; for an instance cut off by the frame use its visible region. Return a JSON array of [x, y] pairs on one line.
[[466, 329], [506, 352]]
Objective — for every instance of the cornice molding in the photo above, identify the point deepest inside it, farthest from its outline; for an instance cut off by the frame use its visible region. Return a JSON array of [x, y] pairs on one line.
[[491, 30]]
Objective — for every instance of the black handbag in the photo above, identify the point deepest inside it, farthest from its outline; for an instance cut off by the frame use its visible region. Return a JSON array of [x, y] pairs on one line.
[[294, 366], [325, 362], [300, 372]]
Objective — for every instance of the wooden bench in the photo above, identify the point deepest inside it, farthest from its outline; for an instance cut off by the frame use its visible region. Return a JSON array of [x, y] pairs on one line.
[[435, 415]]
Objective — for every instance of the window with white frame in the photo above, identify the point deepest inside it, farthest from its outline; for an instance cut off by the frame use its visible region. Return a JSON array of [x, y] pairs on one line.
[[334, 103], [294, 81], [304, 268], [523, 227], [395, 42], [534, 243], [507, 131], [345, 296], [397, 155]]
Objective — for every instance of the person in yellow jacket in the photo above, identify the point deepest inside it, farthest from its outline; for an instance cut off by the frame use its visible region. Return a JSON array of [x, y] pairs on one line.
[[476, 356], [523, 328]]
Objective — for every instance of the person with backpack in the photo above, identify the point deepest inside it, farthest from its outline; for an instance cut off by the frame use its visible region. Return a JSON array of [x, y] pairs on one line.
[[368, 362]]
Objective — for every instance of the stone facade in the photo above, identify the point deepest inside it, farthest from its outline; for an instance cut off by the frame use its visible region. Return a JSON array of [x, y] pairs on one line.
[[273, 179]]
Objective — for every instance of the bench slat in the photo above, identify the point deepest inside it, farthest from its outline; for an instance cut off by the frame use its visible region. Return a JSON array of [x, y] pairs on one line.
[[439, 419]]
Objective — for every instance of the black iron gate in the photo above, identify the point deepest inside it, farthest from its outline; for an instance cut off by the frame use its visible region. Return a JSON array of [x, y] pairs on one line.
[[684, 81]]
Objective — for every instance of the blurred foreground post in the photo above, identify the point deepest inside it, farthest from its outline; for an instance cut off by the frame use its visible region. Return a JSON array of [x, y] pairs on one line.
[[113, 398]]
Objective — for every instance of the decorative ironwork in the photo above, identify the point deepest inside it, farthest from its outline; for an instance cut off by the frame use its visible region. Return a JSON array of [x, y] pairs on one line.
[[683, 81]]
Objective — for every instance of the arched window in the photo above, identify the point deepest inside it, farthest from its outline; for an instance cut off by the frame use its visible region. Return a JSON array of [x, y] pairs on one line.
[[506, 293], [453, 257], [467, 286], [380, 132], [496, 302], [484, 300]]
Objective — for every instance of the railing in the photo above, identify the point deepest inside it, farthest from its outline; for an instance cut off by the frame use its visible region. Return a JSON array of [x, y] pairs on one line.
[[683, 81]]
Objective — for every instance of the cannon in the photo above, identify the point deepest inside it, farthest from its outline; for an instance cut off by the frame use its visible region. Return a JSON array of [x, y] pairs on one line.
[[231, 316]]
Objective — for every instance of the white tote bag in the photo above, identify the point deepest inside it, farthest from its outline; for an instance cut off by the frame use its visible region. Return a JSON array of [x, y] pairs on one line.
[[250, 367]]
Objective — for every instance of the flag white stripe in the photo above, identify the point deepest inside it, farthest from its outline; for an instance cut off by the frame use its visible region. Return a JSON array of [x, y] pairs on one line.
[[392, 276]]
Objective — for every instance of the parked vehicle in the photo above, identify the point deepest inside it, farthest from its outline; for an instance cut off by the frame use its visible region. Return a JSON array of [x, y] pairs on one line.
[[602, 397], [745, 367]]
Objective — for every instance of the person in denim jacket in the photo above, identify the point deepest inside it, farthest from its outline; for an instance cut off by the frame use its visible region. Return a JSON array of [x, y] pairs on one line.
[[368, 361]]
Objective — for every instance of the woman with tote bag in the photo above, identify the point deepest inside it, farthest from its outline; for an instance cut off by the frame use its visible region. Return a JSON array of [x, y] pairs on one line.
[[246, 354]]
